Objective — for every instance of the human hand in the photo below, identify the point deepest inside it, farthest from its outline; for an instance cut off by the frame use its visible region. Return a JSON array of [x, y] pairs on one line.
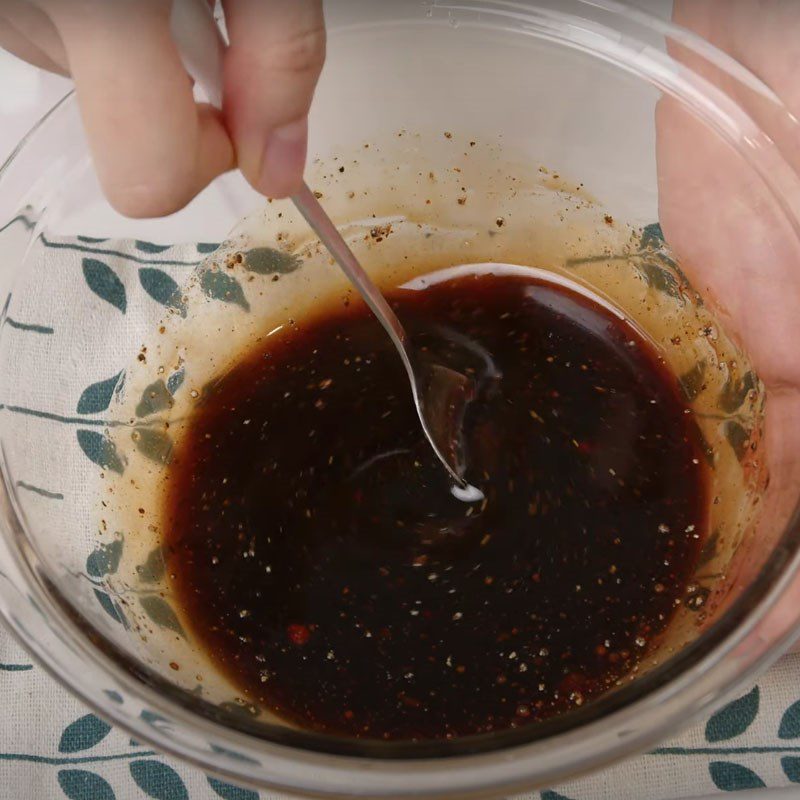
[[153, 146], [733, 240]]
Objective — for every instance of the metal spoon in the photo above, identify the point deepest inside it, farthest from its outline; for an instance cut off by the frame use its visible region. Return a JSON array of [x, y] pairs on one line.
[[440, 393]]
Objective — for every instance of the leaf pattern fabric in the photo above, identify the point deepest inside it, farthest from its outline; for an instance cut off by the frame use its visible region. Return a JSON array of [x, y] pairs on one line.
[[51, 746]]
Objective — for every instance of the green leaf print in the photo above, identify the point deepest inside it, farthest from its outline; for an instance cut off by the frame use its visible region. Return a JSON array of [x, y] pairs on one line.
[[791, 768], [155, 397], [162, 288], [97, 396], [175, 381], [790, 722], [233, 754], [83, 734], [97, 447], [229, 792], [737, 436], [104, 560], [735, 392], [155, 720], [157, 780], [268, 261], [161, 612], [652, 236], [661, 279], [80, 784], [154, 566], [153, 444], [103, 281], [548, 794], [149, 247], [734, 718], [692, 382], [109, 606], [207, 247], [219, 286], [730, 777]]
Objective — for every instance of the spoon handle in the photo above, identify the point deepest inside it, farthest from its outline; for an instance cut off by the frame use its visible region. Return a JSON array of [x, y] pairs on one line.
[[313, 213]]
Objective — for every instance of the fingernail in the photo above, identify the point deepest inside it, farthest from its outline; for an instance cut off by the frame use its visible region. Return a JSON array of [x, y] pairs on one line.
[[283, 159]]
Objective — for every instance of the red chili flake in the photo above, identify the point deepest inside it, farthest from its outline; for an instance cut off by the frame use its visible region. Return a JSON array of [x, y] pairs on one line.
[[536, 577], [298, 634], [348, 714], [585, 447], [358, 496]]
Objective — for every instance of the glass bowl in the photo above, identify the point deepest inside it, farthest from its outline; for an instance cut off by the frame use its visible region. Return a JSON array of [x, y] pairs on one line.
[[625, 154]]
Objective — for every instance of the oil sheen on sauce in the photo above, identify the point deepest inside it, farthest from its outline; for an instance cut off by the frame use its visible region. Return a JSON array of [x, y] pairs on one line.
[[320, 558]]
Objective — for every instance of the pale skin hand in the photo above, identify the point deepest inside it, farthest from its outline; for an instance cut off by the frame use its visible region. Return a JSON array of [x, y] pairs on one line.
[[723, 227], [154, 148]]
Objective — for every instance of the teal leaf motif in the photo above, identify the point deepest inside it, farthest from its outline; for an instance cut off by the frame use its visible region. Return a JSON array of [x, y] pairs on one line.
[[233, 754], [791, 768], [730, 777], [734, 392], [149, 247], [115, 697], [175, 381], [80, 784], [219, 286], [734, 718], [207, 247], [157, 780], [154, 720], [737, 436], [155, 397], [652, 236], [692, 382], [97, 396], [229, 792], [153, 444], [84, 733], [108, 606], [103, 281], [104, 560], [268, 261], [661, 279], [90, 239], [548, 794], [154, 566], [790, 722], [161, 612], [162, 288], [101, 450]]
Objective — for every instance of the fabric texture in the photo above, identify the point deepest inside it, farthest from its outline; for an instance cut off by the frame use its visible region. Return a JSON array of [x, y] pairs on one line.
[[51, 746]]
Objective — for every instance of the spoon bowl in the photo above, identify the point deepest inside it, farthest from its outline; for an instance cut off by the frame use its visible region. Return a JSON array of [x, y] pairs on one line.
[[441, 394]]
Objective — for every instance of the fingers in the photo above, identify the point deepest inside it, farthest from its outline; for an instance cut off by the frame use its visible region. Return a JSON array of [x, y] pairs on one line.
[[154, 148], [29, 34], [276, 53]]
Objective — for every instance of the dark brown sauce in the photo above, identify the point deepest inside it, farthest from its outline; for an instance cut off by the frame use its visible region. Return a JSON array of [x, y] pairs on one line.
[[321, 559]]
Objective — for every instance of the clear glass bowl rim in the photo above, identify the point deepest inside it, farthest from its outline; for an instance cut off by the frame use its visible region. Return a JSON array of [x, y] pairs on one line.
[[729, 654]]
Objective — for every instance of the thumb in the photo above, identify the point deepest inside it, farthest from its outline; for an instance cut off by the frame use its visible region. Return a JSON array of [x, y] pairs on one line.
[[277, 48]]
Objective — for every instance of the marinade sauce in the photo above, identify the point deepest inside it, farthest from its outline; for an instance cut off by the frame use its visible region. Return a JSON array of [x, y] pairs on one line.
[[321, 559]]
